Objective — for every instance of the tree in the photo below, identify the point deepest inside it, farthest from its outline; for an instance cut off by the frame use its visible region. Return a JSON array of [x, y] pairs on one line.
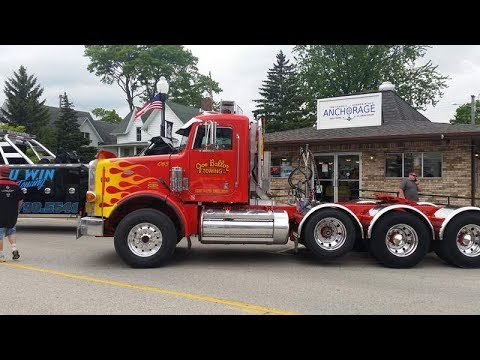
[[280, 103], [336, 70], [9, 127], [463, 114], [110, 116], [23, 107], [68, 135], [138, 68]]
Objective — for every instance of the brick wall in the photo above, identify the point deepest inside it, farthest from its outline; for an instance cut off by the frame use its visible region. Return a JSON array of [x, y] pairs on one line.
[[456, 171]]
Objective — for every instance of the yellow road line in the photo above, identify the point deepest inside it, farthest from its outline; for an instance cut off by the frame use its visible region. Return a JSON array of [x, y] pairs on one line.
[[242, 306]]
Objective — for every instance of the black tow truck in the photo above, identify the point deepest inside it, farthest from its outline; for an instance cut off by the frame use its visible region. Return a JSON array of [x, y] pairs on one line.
[[54, 185]]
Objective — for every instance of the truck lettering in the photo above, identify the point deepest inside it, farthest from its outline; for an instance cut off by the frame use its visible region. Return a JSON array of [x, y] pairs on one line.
[[33, 177], [212, 167], [50, 207]]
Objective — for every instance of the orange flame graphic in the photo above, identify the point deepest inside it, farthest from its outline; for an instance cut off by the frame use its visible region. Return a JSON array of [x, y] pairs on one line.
[[123, 178]]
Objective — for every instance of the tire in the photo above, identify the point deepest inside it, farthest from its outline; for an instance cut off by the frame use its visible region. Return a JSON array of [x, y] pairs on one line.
[[461, 241], [329, 233], [413, 241], [145, 238], [439, 248]]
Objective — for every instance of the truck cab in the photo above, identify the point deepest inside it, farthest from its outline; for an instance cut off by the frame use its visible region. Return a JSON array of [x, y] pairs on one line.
[[214, 161]]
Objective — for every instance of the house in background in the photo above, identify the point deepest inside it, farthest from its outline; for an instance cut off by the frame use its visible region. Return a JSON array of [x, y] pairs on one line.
[[132, 136], [98, 132]]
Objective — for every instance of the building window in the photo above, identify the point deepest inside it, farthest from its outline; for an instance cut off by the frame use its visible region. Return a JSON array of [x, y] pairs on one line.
[[280, 167], [426, 164], [86, 135], [168, 129], [139, 134]]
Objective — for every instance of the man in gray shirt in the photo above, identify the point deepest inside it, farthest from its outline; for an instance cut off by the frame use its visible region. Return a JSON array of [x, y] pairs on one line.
[[409, 187]]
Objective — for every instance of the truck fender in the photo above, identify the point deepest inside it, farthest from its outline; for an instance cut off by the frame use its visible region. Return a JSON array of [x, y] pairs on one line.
[[451, 215], [176, 208], [393, 207], [329, 205]]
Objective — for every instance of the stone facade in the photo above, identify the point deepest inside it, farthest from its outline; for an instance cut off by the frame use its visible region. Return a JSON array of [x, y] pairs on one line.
[[456, 177]]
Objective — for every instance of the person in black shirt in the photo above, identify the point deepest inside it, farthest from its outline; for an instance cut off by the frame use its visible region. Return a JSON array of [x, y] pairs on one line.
[[11, 197]]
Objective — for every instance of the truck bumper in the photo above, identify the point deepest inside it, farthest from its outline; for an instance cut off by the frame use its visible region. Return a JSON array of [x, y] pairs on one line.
[[90, 226]]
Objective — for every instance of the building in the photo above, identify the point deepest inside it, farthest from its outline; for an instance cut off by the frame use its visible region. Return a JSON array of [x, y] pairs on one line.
[[132, 136], [354, 160], [98, 132]]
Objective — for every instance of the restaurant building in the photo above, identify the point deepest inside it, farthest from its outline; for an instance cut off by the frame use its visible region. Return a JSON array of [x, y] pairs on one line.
[[366, 143]]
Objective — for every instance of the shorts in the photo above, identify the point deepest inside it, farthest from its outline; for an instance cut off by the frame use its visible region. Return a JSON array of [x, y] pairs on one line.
[[7, 232]]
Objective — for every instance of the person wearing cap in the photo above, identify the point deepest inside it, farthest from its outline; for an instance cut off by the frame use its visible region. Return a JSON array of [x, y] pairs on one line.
[[11, 197], [409, 187]]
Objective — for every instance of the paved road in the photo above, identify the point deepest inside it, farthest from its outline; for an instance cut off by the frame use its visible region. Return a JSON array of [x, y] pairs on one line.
[[58, 274]]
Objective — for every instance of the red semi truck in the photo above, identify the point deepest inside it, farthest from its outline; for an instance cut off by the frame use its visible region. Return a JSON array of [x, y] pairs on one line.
[[212, 187]]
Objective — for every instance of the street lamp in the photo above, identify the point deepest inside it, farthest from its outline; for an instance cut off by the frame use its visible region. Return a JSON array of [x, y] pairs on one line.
[[163, 91]]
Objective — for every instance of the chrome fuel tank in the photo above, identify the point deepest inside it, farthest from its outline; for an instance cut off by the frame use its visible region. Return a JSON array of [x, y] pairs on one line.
[[255, 226]]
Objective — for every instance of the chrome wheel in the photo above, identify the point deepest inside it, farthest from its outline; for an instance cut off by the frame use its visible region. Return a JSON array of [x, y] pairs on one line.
[[468, 240], [144, 239], [401, 240], [330, 234]]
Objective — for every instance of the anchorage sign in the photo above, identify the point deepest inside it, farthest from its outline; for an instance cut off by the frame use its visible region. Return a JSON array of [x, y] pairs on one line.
[[349, 111]]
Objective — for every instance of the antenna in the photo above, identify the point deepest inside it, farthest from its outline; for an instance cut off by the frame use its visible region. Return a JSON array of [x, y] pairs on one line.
[[210, 90]]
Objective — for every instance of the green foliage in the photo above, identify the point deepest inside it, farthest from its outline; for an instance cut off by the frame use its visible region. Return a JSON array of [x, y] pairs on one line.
[[24, 107], [68, 135], [138, 68], [281, 103], [336, 70], [110, 116], [87, 154], [45, 137], [463, 114], [31, 155], [10, 127]]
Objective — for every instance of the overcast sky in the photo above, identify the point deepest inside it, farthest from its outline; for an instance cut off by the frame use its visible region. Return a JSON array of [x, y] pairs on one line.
[[239, 69]]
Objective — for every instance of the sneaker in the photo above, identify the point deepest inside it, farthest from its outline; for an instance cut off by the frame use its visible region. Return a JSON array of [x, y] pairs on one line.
[[15, 255], [2, 258]]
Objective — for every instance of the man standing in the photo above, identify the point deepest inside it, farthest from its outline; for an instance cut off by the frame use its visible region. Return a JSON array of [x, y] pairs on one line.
[[409, 187], [11, 197]]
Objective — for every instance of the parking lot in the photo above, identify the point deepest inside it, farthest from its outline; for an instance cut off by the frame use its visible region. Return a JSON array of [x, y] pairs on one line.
[[58, 274]]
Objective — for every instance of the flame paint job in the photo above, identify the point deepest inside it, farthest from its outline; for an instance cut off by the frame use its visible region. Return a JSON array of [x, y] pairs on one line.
[[121, 178]]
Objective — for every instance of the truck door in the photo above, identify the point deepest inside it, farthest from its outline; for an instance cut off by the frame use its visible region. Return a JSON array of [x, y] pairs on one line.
[[212, 169]]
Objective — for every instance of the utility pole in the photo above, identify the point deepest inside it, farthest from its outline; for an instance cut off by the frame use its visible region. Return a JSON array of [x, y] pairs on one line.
[[473, 110]]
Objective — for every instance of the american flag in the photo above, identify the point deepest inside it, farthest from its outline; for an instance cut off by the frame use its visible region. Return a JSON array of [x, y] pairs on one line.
[[154, 103]]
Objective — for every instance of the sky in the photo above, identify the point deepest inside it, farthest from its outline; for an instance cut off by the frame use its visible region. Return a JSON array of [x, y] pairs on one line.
[[239, 69]]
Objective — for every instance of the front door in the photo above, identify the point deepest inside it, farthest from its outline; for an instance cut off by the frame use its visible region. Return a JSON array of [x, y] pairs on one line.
[[339, 176], [348, 167], [326, 173]]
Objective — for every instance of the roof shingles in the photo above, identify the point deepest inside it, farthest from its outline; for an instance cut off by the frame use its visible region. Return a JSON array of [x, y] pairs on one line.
[[399, 120]]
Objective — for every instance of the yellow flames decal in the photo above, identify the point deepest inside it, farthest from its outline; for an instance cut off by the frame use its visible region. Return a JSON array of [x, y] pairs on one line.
[[122, 178]]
